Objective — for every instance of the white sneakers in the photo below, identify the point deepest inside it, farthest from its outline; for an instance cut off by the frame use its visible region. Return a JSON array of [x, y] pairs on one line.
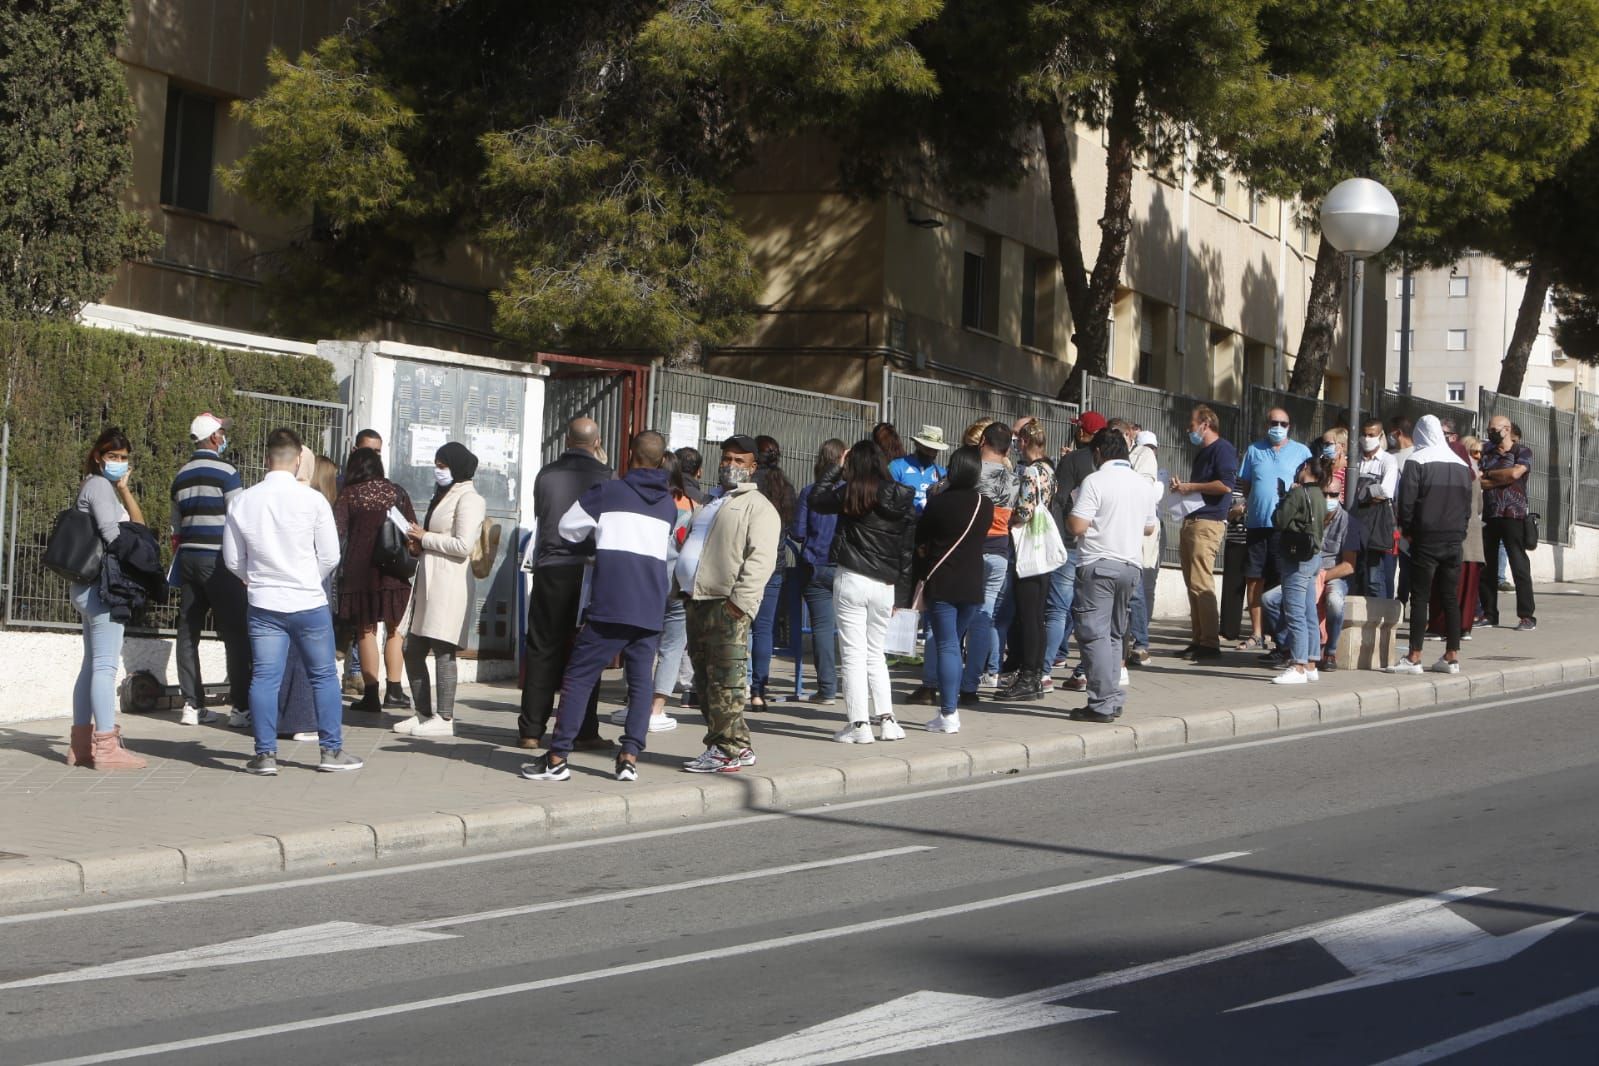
[[855, 733], [1444, 666], [659, 723], [945, 723], [890, 729], [308, 735], [988, 681], [1403, 666], [196, 716], [1290, 676], [431, 726], [1124, 678]]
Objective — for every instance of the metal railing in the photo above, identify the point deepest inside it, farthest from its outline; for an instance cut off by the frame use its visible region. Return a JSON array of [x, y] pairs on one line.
[[1587, 459], [1392, 405], [1166, 414], [1552, 435], [912, 402]]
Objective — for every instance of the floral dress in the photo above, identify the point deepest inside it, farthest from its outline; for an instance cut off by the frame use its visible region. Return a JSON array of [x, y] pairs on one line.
[[368, 596]]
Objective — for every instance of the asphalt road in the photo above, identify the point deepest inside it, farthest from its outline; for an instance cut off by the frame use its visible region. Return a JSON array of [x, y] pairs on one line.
[[1408, 890]]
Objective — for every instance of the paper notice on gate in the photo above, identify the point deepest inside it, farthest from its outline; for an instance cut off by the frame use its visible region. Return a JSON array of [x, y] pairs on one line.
[[719, 421], [685, 431], [426, 442]]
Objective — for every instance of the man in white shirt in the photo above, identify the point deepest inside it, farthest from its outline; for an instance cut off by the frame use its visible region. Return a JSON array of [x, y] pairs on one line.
[[281, 542], [1115, 510], [1376, 487]]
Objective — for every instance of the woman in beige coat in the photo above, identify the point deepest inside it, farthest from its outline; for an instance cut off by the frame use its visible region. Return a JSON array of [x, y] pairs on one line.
[[441, 601]]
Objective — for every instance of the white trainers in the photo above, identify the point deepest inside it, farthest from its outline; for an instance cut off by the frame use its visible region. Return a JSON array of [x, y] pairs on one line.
[[239, 718], [311, 735], [1291, 676], [988, 681], [434, 726], [945, 723], [406, 726], [889, 728], [1124, 678], [196, 716], [662, 723], [1311, 673], [1444, 666], [1049, 683], [1403, 666], [855, 733]]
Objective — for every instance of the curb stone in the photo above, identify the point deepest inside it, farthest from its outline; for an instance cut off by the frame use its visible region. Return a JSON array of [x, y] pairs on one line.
[[44, 879]]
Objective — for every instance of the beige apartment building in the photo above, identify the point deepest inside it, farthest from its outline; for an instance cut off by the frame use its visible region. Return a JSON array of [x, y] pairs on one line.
[[1212, 296], [1461, 319]]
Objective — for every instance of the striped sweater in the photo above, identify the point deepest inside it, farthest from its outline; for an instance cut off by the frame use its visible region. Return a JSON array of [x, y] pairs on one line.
[[201, 492], [630, 521]]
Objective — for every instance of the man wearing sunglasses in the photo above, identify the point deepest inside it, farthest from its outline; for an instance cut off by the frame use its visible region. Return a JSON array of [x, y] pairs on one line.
[[1270, 466]]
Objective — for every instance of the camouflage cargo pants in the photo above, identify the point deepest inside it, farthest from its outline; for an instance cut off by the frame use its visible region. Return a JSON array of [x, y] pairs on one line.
[[718, 646]]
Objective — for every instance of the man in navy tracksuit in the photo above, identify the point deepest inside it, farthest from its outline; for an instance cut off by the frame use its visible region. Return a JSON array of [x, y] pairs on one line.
[[630, 522]]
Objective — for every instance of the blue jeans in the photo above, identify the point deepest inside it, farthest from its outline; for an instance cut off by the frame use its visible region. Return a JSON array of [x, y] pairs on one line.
[[1138, 614], [1333, 601], [674, 641], [980, 634], [818, 593], [1058, 611], [311, 633], [951, 622], [1299, 607], [94, 697], [761, 627]]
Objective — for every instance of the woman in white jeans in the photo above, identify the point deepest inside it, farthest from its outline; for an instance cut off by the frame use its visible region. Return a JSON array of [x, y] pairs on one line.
[[872, 551]]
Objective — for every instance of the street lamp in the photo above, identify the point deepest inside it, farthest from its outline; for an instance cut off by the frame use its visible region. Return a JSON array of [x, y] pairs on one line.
[[1359, 217]]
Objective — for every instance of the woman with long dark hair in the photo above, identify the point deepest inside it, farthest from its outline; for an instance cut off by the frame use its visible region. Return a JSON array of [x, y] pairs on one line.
[[886, 437], [949, 559], [872, 550], [814, 532], [779, 492], [368, 596], [1035, 492], [108, 499], [1299, 520]]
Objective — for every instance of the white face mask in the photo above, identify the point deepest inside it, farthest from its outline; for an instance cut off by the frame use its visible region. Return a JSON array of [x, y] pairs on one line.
[[1371, 443], [443, 477]]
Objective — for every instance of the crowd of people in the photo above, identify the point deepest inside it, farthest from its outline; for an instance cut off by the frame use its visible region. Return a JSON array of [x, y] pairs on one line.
[[999, 551]]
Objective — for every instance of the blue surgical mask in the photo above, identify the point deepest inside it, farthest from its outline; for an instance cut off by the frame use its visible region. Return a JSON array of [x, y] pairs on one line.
[[117, 469], [1329, 451], [443, 477], [1195, 437], [222, 447], [1332, 504], [1277, 434]]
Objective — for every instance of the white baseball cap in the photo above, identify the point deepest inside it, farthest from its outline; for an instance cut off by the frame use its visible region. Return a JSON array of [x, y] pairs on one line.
[[206, 424], [1145, 439]]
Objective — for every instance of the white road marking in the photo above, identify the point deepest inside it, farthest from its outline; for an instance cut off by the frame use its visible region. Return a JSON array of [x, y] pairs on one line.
[[657, 890], [1130, 763], [326, 938], [1465, 1041], [915, 1022], [711, 955]]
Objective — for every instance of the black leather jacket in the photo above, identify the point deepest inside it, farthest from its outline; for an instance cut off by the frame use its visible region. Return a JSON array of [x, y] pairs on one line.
[[879, 543]]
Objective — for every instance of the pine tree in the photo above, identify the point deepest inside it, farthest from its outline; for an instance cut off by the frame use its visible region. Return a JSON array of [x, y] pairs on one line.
[[65, 159]]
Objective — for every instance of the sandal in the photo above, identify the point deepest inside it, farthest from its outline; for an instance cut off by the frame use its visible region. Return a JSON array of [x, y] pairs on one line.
[[1251, 644], [757, 703]]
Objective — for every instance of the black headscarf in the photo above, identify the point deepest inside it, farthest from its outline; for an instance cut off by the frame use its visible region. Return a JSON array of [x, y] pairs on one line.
[[462, 464]]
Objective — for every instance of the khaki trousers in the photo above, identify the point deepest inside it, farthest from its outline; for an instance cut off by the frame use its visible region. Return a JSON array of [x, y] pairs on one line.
[[1200, 541]]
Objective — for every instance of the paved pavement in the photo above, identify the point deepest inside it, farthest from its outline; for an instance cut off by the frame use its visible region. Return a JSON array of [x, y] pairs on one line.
[[1414, 888], [193, 817]]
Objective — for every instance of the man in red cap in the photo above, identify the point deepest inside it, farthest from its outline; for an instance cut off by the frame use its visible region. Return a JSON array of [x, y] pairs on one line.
[[1070, 472]]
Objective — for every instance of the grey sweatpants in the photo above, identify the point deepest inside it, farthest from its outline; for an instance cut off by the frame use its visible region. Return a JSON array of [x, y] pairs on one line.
[[1099, 619], [416, 668]]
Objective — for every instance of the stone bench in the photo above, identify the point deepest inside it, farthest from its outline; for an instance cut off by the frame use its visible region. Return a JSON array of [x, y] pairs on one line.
[[1370, 640]]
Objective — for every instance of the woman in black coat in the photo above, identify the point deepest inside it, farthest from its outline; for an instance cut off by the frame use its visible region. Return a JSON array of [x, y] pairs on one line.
[[949, 558], [872, 553]]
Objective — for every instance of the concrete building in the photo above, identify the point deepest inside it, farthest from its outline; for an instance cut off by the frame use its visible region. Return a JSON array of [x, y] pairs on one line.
[[1461, 319], [1212, 295]]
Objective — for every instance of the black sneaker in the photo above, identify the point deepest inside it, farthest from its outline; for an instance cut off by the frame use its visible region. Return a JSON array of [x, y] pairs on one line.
[[1202, 653], [1029, 685], [546, 768], [923, 696], [263, 765], [626, 769], [1081, 715], [368, 702], [396, 700], [968, 699], [1187, 651], [1526, 625], [336, 760]]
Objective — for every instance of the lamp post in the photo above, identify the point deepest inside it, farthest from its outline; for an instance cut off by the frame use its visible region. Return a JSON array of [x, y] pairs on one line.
[[1359, 217]]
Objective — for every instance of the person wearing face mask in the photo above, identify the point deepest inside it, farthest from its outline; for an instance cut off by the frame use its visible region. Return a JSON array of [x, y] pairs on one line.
[[201, 492], [1506, 466], [441, 601], [1299, 520], [1434, 510], [1376, 486], [1269, 468], [1340, 550], [558, 586], [722, 570], [1213, 476]]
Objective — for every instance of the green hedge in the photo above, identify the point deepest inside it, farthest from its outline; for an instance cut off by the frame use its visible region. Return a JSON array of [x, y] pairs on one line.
[[64, 383]]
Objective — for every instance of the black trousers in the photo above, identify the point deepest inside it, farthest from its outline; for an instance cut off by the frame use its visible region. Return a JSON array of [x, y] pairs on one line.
[[1234, 558], [210, 587], [1512, 533], [551, 629], [1027, 628], [1434, 566]]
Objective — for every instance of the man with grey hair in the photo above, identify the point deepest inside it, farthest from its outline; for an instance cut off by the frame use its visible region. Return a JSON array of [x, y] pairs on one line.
[[281, 542]]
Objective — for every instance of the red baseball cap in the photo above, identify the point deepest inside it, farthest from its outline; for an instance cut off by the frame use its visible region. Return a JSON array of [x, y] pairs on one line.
[[1090, 422]]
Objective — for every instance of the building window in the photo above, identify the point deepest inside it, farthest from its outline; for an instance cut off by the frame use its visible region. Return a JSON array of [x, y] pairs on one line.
[[1459, 285], [186, 152], [1038, 302], [1457, 340], [1457, 392], [1400, 347], [980, 283], [1400, 286]]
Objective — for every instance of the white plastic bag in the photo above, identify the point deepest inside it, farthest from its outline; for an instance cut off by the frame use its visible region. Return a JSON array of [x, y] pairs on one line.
[[1039, 549], [902, 632]]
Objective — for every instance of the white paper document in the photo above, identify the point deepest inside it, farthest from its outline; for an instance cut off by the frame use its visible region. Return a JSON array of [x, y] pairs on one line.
[[719, 421], [426, 442], [397, 516], [685, 431], [1178, 506]]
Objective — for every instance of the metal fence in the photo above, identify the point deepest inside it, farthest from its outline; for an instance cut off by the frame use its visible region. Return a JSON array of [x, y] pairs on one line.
[[702, 409], [36, 598], [912, 402], [1392, 405], [1587, 459], [1165, 414], [1552, 435], [599, 395], [1310, 417]]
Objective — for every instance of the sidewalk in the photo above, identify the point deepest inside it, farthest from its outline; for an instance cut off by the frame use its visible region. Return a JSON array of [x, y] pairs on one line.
[[194, 817]]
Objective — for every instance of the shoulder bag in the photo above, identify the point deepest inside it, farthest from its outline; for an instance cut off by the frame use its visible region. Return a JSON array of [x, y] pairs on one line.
[[74, 549], [919, 599], [391, 555]]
